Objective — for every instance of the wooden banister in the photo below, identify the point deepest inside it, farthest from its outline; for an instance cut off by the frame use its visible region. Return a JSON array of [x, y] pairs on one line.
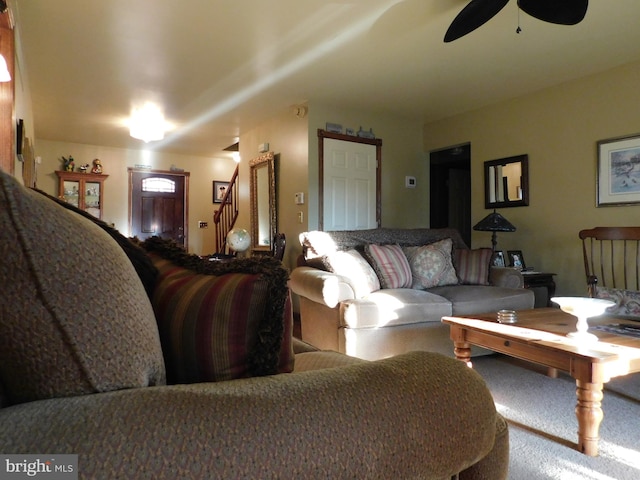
[[225, 217]]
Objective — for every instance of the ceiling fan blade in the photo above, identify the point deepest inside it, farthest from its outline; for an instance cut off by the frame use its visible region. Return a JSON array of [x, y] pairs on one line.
[[474, 15], [562, 12]]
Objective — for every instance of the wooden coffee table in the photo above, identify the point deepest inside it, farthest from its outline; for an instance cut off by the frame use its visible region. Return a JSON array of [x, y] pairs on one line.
[[540, 337]]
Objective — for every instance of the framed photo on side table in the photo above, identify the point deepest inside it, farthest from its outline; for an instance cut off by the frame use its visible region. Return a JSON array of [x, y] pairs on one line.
[[219, 190], [516, 259], [497, 260], [618, 172]]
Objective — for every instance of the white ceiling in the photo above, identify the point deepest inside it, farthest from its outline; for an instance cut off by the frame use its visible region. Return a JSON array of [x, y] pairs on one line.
[[221, 67]]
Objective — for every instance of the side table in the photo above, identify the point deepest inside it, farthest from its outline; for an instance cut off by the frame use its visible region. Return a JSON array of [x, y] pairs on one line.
[[538, 281]]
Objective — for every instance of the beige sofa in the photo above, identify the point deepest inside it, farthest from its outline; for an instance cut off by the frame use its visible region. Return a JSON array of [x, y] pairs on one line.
[[342, 307], [86, 351]]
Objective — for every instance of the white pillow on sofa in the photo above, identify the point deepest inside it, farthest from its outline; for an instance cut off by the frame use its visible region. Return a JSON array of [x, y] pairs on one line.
[[355, 268]]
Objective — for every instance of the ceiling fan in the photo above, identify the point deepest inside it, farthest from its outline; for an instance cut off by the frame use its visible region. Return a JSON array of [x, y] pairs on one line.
[[479, 12]]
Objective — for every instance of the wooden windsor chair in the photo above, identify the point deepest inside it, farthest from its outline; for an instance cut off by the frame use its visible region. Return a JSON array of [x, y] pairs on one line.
[[612, 266]]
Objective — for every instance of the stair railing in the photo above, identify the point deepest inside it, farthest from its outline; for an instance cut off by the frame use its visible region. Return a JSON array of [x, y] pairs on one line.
[[225, 217]]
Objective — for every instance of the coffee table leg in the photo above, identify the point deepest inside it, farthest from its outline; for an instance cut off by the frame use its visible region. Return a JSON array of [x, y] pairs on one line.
[[462, 351], [589, 414]]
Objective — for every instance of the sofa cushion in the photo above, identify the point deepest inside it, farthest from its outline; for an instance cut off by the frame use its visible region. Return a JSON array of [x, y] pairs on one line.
[[351, 265], [398, 306], [431, 265], [75, 316], [472, 266], [221, 320], [391, 265], [473, 299]]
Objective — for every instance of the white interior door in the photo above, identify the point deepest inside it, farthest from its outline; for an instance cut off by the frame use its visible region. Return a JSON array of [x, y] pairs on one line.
[[349, 185]]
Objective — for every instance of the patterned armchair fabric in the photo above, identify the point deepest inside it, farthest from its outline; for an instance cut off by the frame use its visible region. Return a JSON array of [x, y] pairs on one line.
[[82, 368], [417, 416]]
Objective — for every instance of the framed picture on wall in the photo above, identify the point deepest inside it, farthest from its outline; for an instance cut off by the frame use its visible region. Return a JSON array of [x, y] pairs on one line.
[[219, 190], [516, 259], [619, 171]]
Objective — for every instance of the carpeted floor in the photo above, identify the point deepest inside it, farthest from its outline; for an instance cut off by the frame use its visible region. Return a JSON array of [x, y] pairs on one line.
[[543, 426]]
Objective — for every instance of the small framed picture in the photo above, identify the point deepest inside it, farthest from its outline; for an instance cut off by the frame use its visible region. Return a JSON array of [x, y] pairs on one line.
[[516, 260], [219, 191], [497, 260]]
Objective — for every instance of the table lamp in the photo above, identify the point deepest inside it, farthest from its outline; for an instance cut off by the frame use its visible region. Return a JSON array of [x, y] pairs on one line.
[[494, 222]]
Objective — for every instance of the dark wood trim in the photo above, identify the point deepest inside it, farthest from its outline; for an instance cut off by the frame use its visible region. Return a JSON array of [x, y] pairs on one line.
[[185, 175], [7, 99], [322, 134]]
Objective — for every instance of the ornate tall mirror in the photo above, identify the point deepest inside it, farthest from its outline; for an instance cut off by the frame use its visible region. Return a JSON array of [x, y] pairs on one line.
[[506, 182], [263, 202]]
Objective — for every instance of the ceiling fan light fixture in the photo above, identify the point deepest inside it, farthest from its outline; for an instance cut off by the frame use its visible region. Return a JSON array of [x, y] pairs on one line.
[[474, 15], [147, 123], [479, 12], [566, 12]]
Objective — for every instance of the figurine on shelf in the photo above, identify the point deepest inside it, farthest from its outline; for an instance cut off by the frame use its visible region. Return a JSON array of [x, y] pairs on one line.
[[83, 168], [97, 166], [68, 164]]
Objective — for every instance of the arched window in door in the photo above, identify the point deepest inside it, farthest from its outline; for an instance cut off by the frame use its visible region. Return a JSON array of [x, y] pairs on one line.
[[155, 184]]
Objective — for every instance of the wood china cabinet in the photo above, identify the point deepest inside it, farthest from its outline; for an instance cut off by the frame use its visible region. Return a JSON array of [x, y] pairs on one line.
[[82, 190]]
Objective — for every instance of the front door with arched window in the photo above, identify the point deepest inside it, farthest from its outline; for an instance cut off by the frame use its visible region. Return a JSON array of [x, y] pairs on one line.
[[157, 204]]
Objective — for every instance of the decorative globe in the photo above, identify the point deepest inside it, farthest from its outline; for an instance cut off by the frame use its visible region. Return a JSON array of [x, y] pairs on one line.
[[238, 239]]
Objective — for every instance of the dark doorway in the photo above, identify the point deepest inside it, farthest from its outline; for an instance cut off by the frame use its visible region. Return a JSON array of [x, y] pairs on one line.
[[157, 205], [450, 189]]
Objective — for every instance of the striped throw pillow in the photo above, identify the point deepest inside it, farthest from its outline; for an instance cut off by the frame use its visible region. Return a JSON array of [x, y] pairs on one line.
[[211, 325], [391, 265], [472, 266]]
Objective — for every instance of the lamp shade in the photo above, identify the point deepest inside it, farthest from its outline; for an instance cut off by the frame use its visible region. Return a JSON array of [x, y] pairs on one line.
[[494, 222]]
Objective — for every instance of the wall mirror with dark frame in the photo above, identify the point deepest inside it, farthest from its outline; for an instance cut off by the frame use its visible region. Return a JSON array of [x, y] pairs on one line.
[[264, 212], [506, 182]]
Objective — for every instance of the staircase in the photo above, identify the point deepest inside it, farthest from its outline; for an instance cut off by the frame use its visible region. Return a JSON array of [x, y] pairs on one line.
[[225, 217]]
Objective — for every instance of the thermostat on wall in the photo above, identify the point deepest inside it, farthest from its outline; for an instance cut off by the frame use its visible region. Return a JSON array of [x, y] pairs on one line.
[[410, 182]]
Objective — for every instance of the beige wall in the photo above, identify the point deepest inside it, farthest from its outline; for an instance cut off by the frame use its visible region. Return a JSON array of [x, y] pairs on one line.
[[115, 163], [402, 155], [296, 140], [286, 135], [558, 128]]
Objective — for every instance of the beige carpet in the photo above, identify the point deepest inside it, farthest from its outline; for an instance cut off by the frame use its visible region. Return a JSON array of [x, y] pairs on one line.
[[543, 426]]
